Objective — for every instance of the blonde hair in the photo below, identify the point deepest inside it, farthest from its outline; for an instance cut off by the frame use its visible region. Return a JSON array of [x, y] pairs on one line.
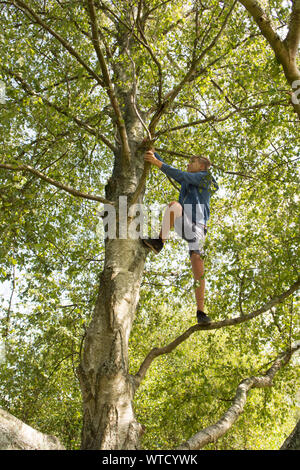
[[204, 160]]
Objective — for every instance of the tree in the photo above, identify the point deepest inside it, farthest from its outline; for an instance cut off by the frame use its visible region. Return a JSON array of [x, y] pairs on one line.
[[94, 79], [292, 441]]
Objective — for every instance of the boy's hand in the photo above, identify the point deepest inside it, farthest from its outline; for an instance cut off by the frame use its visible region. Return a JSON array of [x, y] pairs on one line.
[[150, 158]]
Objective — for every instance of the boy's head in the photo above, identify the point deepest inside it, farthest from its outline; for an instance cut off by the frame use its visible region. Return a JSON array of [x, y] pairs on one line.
[[198, 163]]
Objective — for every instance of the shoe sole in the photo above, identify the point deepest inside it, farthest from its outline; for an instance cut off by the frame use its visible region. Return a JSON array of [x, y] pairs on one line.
[[203, 322], [150, 246]]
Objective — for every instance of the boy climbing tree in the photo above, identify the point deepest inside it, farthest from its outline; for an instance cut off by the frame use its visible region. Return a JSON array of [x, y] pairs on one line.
[[188, 216]]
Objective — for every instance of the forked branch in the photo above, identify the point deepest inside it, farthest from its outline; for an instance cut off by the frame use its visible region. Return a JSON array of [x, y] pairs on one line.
[[214, 432], [170, 97]]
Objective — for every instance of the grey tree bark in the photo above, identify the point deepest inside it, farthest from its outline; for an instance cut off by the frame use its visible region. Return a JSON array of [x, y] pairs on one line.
[[107, 387], [16, 435], [292, 442]]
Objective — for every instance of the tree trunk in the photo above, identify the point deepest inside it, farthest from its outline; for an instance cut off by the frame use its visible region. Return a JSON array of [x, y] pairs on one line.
[[292, 442], [107, 387]]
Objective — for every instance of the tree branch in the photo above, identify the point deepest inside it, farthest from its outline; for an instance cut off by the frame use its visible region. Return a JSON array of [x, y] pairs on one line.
[[292, 442], [285, 51], [215, 431], [142, 182], [292, 39], [169, 98], [63, 81], [264, 23], [8, 314], [31, 13], [214, 117], [107, 82], [64, 187], [156, 352], [27, 88]]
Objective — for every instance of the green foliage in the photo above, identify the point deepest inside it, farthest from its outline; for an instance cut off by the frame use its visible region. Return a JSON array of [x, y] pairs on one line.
[[192, 387], [51, 257]]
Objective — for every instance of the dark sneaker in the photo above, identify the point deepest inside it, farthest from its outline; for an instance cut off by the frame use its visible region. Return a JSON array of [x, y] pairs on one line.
[[202, 318], [155, 244]]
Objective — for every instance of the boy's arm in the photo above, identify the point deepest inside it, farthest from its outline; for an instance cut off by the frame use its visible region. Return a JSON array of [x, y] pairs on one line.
[[155, 159], [159, 157], [196, 179], [200, 178]]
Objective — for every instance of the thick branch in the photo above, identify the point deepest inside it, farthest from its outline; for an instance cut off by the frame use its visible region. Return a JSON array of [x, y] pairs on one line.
[[214, 432], [16, 435], [264, 23], [142, 182], [285, 51], [155, 352], [292, 39], [64, 187], [107, 81]]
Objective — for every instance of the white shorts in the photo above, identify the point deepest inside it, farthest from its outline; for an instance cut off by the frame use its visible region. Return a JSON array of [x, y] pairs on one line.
[[191, 232]]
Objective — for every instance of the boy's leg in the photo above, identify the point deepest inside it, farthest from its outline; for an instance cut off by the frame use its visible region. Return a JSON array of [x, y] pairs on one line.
[[198, 272], [171, 213], [197, 261]]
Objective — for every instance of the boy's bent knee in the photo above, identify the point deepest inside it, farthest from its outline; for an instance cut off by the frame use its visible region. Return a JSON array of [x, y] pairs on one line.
[[174, 203], [176, 208]]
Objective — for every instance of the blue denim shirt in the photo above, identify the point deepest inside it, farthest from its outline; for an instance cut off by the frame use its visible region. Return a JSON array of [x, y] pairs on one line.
[[196, 190]]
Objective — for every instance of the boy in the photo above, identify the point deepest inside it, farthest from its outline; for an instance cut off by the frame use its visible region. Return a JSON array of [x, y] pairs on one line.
[[188, 216]]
